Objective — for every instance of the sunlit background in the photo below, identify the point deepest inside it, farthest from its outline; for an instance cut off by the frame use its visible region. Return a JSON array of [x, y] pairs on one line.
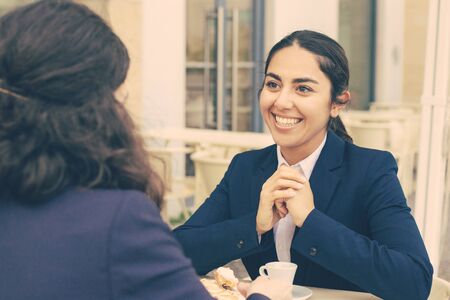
[[199, 64]]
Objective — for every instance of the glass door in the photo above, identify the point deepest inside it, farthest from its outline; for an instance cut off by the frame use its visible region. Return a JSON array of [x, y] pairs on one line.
[[224, 44], [357, 36]]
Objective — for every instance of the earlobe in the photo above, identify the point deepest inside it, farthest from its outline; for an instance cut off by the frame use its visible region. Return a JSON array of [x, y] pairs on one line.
[[337, 106], [336, 109], [334, 113]]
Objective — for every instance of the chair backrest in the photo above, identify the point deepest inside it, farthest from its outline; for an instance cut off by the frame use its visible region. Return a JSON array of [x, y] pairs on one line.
[[161, 163], [372, 135], [396, 107], [379, 130], [209, 170], [162, 160], [396, 132], [440, 289]]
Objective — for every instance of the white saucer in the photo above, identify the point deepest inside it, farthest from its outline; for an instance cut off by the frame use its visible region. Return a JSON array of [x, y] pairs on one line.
[[300, 292]]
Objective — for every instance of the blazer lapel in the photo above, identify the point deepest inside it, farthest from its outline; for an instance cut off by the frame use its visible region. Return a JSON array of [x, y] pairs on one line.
[[261, 173], [267, 167], [324, 178]]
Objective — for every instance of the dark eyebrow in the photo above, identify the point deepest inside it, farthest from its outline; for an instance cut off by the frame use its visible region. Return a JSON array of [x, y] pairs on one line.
[[274, 76], [304, 79], [296, 80]]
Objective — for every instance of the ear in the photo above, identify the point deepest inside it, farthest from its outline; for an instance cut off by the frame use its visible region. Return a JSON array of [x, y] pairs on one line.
[[121, 94], [337, 107]]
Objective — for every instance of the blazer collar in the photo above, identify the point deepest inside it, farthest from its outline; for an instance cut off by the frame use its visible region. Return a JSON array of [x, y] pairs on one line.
[[332, 154], [325, 176], [262, 172]]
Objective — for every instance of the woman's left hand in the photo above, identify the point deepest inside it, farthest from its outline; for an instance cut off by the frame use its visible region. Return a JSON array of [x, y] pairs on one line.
[[301, 205]]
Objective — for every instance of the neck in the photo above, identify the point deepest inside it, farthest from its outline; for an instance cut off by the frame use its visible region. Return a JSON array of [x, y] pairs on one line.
[[295, 154]]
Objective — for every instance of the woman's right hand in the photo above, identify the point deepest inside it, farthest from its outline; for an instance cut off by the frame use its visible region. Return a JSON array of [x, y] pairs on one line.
[[273, 289], [280, 186]]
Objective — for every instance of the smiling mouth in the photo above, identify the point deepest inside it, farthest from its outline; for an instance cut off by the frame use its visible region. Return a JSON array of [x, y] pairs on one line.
[[286, 122]]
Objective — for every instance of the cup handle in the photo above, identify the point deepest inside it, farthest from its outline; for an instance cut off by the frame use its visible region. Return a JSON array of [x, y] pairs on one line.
[[263, 271]]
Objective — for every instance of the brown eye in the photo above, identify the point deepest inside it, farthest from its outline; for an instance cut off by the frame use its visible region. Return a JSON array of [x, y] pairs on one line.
[[303, 89], [271, 85]]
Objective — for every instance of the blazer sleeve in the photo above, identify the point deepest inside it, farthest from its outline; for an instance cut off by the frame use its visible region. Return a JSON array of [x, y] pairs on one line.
[[145, 261], [212, 225], [393, 262]]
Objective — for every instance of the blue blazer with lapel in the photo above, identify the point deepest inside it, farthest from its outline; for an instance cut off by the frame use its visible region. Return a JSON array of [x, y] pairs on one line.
[[360, 236]]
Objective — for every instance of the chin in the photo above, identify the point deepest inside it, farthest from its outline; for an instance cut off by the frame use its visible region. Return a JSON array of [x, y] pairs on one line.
[[287, 142]]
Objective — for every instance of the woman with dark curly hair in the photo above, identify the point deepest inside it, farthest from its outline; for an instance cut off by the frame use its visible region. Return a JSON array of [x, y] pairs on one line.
[[79, 202]]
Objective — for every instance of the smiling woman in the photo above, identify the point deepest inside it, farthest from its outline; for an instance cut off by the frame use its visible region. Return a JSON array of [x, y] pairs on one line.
[[335, 209], [296, 103]]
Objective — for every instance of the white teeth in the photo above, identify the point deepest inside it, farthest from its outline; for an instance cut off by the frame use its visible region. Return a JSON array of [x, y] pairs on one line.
[[286, 121]]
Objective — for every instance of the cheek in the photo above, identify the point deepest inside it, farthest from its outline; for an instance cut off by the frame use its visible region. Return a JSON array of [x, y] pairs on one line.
[[316, 110], [265, 101]]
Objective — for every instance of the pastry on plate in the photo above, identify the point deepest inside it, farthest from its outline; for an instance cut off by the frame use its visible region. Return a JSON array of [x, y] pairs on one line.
[[223, 286], [225, 278]]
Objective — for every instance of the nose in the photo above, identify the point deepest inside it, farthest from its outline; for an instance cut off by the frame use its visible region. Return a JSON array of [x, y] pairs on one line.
[[284, 100]]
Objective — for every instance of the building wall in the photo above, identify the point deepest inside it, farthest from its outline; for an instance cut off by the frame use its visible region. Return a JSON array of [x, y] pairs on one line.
[[286, 16], [416, 17], [98, 6], [156, 80], [389, 51], [125, 17], [164, 63]]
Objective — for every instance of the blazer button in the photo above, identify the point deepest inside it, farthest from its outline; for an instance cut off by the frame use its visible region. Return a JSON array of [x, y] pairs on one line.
[[240, 244], [313, 251]]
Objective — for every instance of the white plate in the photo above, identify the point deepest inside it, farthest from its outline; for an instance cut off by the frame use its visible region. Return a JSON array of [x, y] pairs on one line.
[[300, 292]]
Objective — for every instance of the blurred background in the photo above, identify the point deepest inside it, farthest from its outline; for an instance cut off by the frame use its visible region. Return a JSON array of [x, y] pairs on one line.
[[199, 64]]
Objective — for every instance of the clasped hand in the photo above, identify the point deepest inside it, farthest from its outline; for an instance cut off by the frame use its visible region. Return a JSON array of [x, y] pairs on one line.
[[286, 191]]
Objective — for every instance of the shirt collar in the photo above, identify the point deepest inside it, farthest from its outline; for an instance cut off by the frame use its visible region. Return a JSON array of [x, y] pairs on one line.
[[307, 164]]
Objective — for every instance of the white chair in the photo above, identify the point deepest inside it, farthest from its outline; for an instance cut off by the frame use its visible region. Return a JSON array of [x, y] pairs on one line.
[[219, 151], [440, 289], [388, 131], [410, 112], [178, 188], [414, 107], [373, 135], [209, 170]]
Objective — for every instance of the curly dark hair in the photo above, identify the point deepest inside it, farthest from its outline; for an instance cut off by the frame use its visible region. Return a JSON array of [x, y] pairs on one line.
[[60, 124]]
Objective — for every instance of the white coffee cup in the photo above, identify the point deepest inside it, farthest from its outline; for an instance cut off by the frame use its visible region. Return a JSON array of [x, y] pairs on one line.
[[284, 271]]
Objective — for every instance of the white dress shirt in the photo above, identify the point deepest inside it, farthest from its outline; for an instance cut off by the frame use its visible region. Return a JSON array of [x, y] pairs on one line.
[[284, 229]]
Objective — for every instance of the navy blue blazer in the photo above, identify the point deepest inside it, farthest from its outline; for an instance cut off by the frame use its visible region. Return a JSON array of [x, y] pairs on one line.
[[360, 236], [92, 244]]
